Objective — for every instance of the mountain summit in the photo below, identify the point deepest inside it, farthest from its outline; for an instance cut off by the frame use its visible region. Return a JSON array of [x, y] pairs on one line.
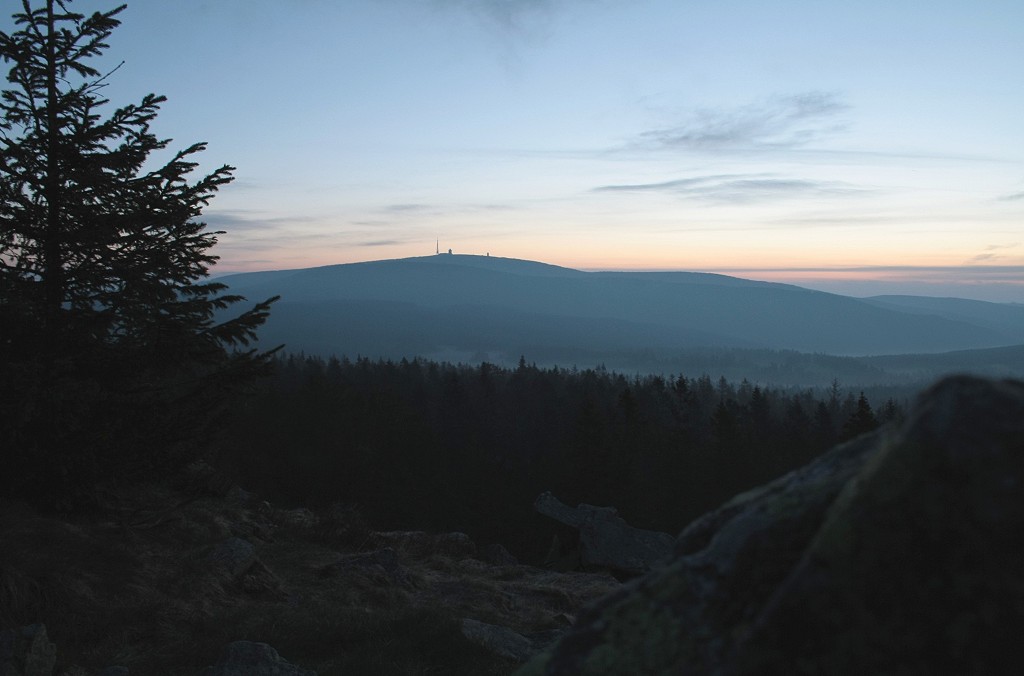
[[486, 307]]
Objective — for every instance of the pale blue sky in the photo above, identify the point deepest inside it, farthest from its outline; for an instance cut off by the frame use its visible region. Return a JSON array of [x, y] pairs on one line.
[[863, 147]]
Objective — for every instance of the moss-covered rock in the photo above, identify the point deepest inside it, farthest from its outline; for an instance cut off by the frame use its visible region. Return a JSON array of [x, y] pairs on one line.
[[894, 553]]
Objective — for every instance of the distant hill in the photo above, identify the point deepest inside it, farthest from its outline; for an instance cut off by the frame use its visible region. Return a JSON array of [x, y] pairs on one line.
[[1007, 318], [462, 307]]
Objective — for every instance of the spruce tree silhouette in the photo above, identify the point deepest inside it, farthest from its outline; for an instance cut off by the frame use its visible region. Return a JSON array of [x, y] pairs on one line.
[[862, 420], [114, 352]]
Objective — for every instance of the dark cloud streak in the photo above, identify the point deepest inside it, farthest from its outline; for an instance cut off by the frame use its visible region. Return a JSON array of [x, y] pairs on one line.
[[739, 188], [381, 242], [517, 17]]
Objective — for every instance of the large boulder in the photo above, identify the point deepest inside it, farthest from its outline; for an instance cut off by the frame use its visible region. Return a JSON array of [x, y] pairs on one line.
[[606, 540], [895, 553]]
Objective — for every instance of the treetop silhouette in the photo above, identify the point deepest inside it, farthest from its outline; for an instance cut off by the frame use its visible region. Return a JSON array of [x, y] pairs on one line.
[[104, 296]]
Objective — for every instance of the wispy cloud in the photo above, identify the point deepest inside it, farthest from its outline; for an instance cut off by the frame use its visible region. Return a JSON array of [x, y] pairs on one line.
[[279, 244], [679, 185], [778, 122], [381, 242], [393, 212], [1012, 197], [740, 188], [247, 221], [990, 253]]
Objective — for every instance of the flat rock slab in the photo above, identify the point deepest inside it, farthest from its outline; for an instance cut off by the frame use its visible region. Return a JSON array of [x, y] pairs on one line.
[[606, 540]]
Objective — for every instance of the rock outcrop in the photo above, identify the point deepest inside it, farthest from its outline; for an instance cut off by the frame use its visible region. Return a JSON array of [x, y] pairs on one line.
[[606, 540], [897, 552], [150, 599]]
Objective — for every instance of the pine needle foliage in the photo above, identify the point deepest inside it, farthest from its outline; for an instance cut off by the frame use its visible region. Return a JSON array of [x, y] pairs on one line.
[[115, 353]]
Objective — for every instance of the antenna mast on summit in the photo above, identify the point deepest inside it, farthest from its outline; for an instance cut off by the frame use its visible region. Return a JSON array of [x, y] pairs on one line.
[[437, 247]]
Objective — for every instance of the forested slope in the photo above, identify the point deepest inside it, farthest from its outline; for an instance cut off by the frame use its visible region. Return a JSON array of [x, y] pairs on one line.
[[419, 444]]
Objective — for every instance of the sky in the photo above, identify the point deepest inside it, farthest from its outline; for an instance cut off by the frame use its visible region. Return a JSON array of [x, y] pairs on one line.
[[858, 147]]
